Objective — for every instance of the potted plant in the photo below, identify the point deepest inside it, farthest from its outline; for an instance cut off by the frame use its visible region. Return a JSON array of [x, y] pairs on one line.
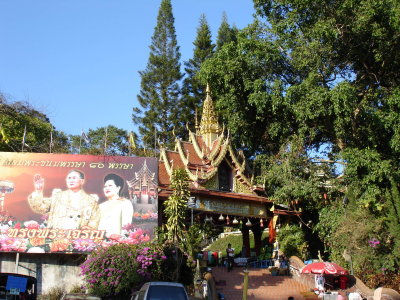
[[274, 271]]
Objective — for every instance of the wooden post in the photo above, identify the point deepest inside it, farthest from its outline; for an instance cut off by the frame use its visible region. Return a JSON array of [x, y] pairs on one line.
[[245, 284], [16, 263], [257, 231], [246, 240]]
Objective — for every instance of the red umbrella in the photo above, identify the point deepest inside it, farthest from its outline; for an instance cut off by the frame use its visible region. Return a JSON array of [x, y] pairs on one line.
[[324, 268]]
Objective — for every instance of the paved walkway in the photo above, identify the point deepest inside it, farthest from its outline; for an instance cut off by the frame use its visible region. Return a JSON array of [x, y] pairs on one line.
[[262, 285]]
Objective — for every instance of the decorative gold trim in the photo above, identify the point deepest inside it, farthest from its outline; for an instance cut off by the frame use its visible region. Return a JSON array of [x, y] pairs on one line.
[[209, 120], [238, 165], [217, 147], [164, 158], [208, 176], [245, 180], [196, 146], [221, 155], [178, 145], [192, 176]]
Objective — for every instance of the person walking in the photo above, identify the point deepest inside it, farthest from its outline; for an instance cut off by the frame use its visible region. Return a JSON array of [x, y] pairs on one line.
[[230, 254]]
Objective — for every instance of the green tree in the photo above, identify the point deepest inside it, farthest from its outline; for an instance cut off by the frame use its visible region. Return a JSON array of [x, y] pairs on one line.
[[328, 73], [292, 178], [40, 134], [175, 211], [292, 241], [226, 33], [247, 79], [159, 94], [175, 206], [193, 90], [108, 140]]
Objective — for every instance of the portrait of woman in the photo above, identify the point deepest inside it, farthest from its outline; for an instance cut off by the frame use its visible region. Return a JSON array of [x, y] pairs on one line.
[[116, 211]]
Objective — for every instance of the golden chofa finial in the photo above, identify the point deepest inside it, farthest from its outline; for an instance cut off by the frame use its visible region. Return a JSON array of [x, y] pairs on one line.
[[209, 127]]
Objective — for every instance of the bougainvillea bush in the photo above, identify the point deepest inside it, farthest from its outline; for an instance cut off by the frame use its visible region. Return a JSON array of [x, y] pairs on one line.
[[120, 268]]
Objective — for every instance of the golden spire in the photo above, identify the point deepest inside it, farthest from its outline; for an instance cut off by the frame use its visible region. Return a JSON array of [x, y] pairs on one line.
[[209, 127]]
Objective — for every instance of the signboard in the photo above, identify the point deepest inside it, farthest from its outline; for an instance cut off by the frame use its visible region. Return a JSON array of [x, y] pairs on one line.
[[16, 284], [74, 203], [227, 207]]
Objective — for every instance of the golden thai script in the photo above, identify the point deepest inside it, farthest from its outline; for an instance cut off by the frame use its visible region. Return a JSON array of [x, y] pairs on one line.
[[47, 233], [122, 166], [42, 163]]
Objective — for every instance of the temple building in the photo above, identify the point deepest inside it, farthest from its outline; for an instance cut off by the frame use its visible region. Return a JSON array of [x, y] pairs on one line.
[[221, 186]]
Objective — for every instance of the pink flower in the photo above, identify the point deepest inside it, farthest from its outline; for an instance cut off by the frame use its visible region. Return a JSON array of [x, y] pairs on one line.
[[31, 224], [374, 242], [115, 237], [13, 244], [84, 245]]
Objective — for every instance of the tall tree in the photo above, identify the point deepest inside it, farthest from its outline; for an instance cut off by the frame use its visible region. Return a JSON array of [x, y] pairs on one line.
[[160, 89], [193, 90], [226, 33], [247, 81]]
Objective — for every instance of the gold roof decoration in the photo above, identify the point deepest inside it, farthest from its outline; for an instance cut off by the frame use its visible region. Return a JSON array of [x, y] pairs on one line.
[[203, 154], [209, 127]]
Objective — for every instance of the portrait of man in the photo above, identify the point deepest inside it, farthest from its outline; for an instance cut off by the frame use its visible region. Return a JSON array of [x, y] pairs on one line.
[[69, 209]]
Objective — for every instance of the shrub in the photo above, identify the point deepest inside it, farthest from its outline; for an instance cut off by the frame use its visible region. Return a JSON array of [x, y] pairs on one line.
[[292, 241], [121, 268], [178, 265], [54, 293], [77, 289]]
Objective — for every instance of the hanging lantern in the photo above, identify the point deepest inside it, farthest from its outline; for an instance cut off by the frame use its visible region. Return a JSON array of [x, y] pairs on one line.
[[235, 221], [248, 223], [261, 223], [227, 220], [221, 217]]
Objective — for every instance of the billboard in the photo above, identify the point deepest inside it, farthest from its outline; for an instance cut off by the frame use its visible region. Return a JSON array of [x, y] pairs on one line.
[[74, 203]]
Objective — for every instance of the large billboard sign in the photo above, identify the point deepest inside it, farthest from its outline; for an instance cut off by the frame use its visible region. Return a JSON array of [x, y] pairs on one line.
[[75, 203]]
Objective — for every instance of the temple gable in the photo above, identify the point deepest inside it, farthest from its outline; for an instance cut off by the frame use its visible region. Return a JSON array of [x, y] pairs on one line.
[[208, 157]]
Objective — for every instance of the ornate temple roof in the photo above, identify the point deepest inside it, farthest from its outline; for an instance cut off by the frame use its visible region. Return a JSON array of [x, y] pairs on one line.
[[144, 174], [209, 126], [203, 154]]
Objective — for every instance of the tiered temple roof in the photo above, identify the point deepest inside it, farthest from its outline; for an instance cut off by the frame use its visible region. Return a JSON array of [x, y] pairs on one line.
[[203, 155]]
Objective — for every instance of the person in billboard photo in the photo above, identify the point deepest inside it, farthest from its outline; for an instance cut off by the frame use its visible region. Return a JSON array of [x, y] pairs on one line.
[[69, 209], [116, 211]]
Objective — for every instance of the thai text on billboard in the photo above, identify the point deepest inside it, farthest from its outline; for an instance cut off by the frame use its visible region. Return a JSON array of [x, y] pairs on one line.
[[74, 203]]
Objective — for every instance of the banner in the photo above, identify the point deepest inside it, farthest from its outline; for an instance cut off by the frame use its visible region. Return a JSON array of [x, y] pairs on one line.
[[74, 203]]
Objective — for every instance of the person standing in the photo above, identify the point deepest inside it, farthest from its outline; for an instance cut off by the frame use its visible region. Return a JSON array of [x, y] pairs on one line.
[[320, 282], [230, 254], [69, 209]]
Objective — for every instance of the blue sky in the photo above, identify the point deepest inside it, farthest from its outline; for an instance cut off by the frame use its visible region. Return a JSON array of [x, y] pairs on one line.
[[78, 60]]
